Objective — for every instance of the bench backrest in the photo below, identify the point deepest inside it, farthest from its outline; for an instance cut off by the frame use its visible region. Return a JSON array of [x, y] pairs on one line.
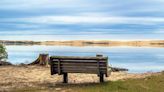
[[71, 64]]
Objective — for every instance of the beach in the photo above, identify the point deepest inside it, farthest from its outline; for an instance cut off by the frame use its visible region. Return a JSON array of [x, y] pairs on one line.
[[23, 76], [38, 78]]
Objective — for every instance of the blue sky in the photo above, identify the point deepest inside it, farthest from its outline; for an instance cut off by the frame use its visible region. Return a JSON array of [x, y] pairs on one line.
[[81, 19]]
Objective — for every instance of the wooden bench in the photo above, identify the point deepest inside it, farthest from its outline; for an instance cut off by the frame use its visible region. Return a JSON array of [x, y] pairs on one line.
[[63, 65]]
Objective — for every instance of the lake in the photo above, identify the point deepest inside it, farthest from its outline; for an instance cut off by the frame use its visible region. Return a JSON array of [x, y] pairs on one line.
[[136, 59]]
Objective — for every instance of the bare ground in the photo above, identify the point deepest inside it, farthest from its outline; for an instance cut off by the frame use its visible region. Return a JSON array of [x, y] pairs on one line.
[[12, 77]]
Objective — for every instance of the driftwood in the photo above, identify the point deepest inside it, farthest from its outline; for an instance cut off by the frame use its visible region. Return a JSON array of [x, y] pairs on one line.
[[4, 63], [43, 59], [116, 69]]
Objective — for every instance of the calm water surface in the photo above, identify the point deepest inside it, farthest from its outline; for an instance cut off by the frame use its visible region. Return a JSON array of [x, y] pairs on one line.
[[136, 59]]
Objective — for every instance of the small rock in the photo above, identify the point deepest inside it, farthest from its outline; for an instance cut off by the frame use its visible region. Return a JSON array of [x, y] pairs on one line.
[[57, 89]]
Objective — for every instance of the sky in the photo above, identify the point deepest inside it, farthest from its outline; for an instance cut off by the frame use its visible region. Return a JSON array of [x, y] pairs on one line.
[[42, 20]]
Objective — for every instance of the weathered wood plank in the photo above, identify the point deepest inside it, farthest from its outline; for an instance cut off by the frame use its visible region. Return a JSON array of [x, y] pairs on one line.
[[81, 67], [107, 73], [79, 64], [59, 68], [83, 61], [78, 58], [52, 68], [98, 64], [89, 72], [82, 71]]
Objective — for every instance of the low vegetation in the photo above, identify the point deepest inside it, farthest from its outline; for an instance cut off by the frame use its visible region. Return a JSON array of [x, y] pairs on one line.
[[3, 53], [149, 84], [153, 83]]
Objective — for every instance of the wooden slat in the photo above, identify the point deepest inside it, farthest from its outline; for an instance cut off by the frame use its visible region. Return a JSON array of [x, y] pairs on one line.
[[107, 68], [84, 67], [52, 66], [81, 64], [78, 58], [59, 68], [89, 72], [98, 64], [83, 61], [76, 68], [82, 71]]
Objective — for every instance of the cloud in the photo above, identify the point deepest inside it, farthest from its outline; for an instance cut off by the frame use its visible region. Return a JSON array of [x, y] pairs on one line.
[[36, 4], [117, 18], [160, 31], [128, 8], [88, 20]]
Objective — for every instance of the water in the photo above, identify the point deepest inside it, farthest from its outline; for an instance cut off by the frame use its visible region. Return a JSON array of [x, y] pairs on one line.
[[136, 59]]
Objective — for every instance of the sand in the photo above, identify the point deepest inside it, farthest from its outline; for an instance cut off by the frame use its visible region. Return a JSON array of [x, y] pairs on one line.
[[30, 76]]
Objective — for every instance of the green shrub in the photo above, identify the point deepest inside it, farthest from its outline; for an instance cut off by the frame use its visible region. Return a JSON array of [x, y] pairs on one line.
[[3, 53]]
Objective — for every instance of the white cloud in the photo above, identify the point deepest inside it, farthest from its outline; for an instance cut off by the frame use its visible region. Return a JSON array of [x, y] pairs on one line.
[[32, 4], [82, 7], [38, 14], [88, 20], [160, 31]]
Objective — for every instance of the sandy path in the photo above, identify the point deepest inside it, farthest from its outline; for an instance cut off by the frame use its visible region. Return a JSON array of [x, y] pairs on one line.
[[31, 76]]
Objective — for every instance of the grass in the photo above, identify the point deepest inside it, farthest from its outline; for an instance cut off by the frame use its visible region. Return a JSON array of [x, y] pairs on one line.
[[149, 84]]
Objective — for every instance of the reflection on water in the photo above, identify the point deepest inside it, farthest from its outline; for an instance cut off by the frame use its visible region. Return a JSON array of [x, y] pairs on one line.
[[136, 59]]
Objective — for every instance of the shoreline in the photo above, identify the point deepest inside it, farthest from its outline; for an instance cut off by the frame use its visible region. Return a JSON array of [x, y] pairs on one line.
[[81, 43]]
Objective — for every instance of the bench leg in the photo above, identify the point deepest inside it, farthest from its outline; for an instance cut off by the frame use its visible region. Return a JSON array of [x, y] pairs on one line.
[[101, 78], [65, 78]]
